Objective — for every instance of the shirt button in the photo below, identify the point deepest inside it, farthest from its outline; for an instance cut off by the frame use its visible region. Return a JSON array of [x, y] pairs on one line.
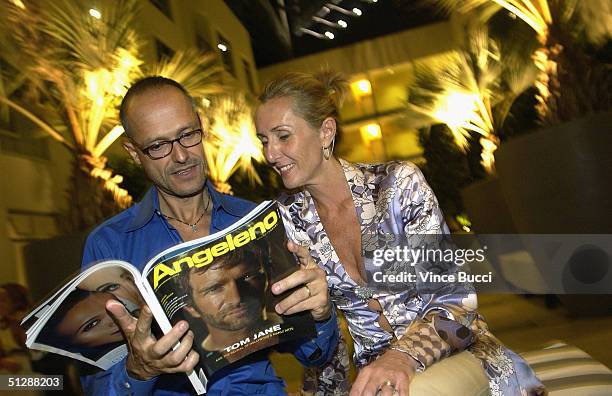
[[127, 385]]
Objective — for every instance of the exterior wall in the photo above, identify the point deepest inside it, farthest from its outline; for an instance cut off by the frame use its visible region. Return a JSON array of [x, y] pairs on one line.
[[378, 53], [208, 19], [33, 194]]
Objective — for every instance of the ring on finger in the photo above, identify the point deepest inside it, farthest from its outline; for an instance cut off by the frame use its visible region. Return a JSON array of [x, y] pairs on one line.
[[308, 290], [387, 383]]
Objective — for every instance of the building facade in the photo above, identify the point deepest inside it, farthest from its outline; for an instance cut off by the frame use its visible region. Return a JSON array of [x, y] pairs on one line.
[[380, 72]]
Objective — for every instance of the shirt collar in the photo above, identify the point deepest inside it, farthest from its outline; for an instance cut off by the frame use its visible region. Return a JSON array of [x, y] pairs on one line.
[[144, 210], [150, 204], [226, 202]]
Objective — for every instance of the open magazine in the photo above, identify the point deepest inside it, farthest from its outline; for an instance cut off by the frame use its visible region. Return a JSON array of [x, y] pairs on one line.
[[220, 284]]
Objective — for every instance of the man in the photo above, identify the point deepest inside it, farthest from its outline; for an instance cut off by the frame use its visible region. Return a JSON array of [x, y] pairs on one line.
[[165, 138], [228, 297]]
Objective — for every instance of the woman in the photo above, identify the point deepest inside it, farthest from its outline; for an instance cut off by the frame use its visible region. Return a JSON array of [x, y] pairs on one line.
[[346, 212], [82, 325], [115, 280]]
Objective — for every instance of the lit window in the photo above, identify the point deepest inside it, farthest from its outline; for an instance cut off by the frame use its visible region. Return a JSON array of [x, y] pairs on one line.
[[361, 88], [370, 132]]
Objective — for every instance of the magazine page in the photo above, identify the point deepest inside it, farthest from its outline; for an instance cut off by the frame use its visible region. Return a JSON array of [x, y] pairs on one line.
[[221, 286], [75, 322]]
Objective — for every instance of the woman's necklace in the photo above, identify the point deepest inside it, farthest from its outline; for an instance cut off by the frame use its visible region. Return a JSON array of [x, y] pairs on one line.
[[194, 226]]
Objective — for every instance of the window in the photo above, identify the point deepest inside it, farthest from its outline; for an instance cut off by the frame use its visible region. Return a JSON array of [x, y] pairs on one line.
[[249, 75], [30, 147], [163, 6], [226, 54], [203, 44], [163, 51], [18, 135]]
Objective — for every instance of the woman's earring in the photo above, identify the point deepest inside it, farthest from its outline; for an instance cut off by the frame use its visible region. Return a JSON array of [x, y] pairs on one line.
[[329, 150]]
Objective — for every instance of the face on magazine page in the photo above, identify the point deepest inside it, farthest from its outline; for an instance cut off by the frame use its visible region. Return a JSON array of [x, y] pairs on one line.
[[224, 293], [81, 324]]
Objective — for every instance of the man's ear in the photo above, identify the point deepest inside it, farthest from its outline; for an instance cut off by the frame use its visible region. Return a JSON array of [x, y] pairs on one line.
[[328, 131], [128, 145], [191, 311]]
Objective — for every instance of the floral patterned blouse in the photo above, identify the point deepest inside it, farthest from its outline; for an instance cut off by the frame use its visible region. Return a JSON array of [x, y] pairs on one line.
[[393, 200]]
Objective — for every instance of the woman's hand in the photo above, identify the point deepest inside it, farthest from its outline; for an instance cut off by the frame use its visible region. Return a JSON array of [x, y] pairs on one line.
[[391, 373], [312, 295]]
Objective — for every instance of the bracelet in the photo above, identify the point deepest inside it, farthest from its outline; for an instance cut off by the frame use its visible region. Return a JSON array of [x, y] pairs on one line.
[[420, 366]]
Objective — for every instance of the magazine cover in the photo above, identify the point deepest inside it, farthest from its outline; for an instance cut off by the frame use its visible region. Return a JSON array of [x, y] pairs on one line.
[[222, 289]]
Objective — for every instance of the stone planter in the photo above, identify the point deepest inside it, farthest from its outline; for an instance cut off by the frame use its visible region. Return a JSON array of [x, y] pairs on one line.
[[487, 208], [557, 181]]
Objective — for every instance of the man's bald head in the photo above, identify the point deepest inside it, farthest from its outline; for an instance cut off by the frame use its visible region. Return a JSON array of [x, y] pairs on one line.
[[145, 85]]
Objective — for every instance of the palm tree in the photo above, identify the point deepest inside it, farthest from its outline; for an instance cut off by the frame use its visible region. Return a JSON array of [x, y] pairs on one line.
[[199, 73], [570, 81], [232, 143], [67, 73], [469, 91]]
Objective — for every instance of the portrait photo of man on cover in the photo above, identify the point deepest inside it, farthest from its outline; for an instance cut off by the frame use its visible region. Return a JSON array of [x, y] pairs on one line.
[[226, 303]]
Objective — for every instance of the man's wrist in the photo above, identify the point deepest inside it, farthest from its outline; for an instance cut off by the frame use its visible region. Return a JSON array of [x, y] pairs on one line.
[[137, 373], [128, 384]]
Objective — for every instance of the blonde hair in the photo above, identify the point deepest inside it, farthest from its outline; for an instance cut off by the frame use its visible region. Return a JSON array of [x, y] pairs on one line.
[[315, 97]]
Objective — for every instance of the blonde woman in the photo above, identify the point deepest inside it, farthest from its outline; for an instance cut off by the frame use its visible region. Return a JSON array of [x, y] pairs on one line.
[[345, 212]]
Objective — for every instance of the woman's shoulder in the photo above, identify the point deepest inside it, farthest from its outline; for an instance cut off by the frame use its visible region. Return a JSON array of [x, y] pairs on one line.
[[389, 171]]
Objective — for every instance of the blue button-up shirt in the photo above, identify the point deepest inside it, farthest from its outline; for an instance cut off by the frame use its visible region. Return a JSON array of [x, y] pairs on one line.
[[139, 233]]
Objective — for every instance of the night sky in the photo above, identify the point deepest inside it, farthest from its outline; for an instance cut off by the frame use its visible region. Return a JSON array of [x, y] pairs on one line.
[[378, 19]]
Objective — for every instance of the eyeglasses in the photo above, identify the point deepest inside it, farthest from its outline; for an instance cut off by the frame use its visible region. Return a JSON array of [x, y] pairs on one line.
[[159, 150]]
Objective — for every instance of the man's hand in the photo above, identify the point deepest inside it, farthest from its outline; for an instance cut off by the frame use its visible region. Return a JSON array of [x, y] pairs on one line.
[[391, 373], [148, 357], [313, 294]]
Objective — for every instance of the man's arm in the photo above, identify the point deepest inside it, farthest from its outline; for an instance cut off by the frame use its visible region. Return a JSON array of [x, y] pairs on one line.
[[320, 349], [116, 381]]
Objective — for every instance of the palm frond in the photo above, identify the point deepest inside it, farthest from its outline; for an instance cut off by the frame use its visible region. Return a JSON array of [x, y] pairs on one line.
[[232, 143], [85, 41], [200, 73], [457, 89], [469, 91], [36, 120], [462, 6]]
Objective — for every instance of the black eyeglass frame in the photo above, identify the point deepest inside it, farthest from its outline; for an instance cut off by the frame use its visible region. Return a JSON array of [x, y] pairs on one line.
[[146, 150]]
